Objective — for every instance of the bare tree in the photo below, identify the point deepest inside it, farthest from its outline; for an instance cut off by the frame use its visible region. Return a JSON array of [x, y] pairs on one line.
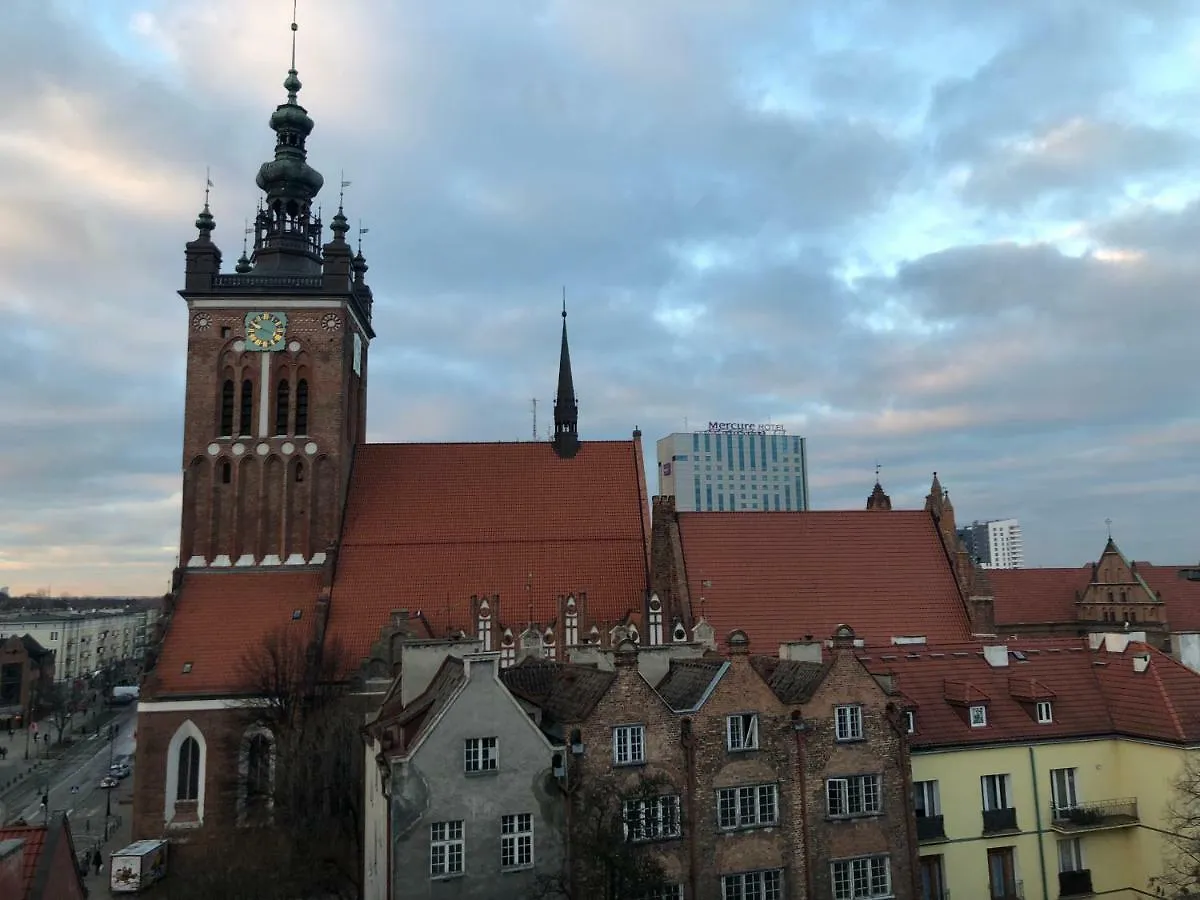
[[301, 825], [61, 701], [606, 863], [1181, 875]]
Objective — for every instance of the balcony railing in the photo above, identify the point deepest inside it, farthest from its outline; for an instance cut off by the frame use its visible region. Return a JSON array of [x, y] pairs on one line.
[[999, 820], [1073, 884], [931, 828], [1013, 891], [1091, 816]]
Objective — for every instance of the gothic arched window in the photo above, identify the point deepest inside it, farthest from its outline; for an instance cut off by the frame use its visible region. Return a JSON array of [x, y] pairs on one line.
[[302, 406], [227, 408], [258, 770], [247, 406], [187, 784], [281, 407]]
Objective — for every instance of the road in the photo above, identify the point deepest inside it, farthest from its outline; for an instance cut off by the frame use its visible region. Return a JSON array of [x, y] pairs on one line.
[[74, 783]]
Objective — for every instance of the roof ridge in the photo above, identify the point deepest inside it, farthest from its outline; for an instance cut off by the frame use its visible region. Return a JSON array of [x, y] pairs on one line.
[[1166, 695]]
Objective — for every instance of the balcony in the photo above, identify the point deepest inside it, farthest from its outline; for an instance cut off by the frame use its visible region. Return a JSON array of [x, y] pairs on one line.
[[995, 820], [1095, 816], [1075, 884], [931, 828]]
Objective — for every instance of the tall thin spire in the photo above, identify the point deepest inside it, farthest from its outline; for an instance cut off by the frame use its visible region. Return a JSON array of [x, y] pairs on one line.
[[566, 408]]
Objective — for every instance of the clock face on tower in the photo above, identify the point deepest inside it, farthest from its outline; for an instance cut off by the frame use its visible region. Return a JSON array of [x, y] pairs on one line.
[[265, 330]]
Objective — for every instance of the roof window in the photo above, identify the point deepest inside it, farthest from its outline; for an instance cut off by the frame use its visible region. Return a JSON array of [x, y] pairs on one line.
[[978, 716]]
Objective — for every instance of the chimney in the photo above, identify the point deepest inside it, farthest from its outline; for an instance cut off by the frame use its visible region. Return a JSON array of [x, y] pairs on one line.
[[807, 650], [996, 655], [1141, 662]]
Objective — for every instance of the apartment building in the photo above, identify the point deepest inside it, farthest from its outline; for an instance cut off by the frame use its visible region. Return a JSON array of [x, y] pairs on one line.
[[86, 641], [1043, 769], [732, 466]]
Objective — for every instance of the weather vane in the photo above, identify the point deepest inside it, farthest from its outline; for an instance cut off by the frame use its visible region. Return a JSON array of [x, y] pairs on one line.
[[1108, 525], [295, 28]]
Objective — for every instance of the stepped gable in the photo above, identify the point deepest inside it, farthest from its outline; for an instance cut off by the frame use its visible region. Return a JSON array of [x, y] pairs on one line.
[[429, 526], [221, 618], [782, 575]]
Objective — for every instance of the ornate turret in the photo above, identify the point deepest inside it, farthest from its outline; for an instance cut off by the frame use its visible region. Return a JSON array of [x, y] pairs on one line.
[[203, 257], [878, 499], [566, 408], [287, 235]]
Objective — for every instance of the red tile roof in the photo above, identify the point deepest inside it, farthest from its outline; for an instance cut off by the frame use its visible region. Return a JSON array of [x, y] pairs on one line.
[[47, 862], [428, 526], [1093, 692], [780, 575], [1027, 596], [34, 837], [1181, 595], [222, 617]]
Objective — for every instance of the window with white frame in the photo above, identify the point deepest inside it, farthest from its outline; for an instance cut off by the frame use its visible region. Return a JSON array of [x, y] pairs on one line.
[[927, 801], [516, 841], [857, 795], [765, 884], [481, 754], [446, 848], [862, 879], [848, 722], [629, 745], [666, 892], [1070, 855], [978, 716], [1045, 712], [748, 807], [997, 792], [741, 731], [651, 819]]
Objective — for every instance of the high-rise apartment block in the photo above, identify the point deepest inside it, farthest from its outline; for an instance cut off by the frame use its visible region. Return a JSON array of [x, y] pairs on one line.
[[734, 466], [995, 544]]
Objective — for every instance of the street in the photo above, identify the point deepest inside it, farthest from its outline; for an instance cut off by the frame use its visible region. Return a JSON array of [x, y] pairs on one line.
[[74, 782]]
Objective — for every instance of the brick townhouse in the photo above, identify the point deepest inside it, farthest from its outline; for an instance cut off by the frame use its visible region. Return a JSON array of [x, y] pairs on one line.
[[746, 777]]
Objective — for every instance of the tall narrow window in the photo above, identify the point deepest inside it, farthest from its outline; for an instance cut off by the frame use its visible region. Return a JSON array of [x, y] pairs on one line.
[[302, 406], [258, 770], [226, 472], [187, 785], [247, 406], [281, 407], [227, 408]]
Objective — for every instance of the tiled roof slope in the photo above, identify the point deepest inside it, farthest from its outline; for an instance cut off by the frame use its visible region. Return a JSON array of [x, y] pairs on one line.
[[429, 525], [48, 861], [783, 575], [566, 691], [1094, 692], [688, 680], [220, 619], [791, 680], [34, 838], [1028, 596], [1181, 595], [419, 716]]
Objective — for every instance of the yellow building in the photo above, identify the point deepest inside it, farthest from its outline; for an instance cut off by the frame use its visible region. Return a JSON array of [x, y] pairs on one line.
[[1043, 769]]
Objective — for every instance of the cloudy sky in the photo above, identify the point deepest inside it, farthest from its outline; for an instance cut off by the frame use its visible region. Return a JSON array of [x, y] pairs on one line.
[[928, 233]]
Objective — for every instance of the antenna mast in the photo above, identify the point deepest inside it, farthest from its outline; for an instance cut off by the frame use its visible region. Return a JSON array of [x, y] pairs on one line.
[[535, 418]]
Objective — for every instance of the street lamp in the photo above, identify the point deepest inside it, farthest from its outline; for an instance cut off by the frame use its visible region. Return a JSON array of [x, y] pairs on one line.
[[112, 734]]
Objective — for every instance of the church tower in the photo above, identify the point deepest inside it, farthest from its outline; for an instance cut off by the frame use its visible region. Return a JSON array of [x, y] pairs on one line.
[[276, 371]]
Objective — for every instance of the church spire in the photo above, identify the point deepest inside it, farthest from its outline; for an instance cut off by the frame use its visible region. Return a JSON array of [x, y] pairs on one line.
[[566, 408], [287, 236]]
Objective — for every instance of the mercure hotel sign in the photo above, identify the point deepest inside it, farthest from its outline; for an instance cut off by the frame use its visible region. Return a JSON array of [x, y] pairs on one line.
[[743, 428]]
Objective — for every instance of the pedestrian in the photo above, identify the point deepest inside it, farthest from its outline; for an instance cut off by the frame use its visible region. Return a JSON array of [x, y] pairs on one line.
[[97, 860]]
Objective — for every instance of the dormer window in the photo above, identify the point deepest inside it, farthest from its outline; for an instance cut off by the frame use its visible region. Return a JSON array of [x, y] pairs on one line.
[[1045, 712], [978, 716]]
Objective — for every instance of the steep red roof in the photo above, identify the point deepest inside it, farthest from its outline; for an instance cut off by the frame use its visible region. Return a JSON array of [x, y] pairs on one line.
[[220, 618], [1092, 692], [1181, 595], [428, 526], [48, 868], [1025, 596], [782, 575]]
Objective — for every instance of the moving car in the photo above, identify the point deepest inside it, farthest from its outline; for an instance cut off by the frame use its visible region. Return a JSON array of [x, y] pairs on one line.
[[108, 783], [120, 770]]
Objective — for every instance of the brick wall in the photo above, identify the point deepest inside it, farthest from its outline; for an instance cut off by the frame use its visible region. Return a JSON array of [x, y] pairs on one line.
[[276, 503], [668, 577], [882, 751]]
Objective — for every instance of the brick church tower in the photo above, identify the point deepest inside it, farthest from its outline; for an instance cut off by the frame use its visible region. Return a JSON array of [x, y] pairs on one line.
[[276, 372]]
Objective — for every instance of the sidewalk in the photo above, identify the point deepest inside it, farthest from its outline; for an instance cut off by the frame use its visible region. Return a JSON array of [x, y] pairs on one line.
[[15, 768], [98, 885]]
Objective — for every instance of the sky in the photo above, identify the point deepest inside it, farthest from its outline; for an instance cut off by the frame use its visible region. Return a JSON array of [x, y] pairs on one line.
[[934, 236]]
